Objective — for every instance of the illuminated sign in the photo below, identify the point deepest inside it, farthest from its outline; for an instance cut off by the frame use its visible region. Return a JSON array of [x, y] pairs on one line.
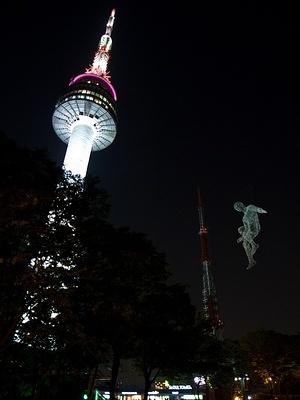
[[129, 392], [180, 387]]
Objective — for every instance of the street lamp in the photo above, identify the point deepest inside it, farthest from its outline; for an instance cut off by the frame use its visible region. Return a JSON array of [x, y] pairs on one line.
[[243, 385], [199, 380]]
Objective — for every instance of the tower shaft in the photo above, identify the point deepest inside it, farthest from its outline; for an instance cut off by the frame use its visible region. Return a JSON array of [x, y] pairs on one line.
[[79, 149], [209, 295]]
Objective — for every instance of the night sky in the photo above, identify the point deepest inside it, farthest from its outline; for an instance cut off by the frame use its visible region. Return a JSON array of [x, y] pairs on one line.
[[207, 97]]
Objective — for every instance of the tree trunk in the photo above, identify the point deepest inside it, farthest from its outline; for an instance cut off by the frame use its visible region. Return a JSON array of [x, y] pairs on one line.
[[209, 393], [114, 374], [92, 379], [206, 389], [146, 386], [149, 381]]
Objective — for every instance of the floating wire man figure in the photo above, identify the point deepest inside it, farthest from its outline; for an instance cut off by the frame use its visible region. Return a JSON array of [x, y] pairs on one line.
[[249, 230]]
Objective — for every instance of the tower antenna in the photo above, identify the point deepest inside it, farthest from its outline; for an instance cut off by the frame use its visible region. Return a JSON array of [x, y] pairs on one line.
[[209, 295], [102, 55]]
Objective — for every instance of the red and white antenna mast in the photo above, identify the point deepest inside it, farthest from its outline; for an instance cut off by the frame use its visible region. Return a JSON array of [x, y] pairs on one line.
[[209, 295]]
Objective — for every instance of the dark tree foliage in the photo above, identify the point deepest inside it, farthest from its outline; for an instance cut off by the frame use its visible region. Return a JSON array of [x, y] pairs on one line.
[[273, 360], [77, 292], [55, 321], [46, 221], [72, 283], [28, 180], [162, 333], [129, 268]]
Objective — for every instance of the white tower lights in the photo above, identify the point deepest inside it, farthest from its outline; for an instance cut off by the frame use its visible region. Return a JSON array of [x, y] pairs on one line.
[[85, 116]]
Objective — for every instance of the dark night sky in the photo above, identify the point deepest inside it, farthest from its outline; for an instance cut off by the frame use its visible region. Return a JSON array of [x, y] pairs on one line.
[[207, 97]]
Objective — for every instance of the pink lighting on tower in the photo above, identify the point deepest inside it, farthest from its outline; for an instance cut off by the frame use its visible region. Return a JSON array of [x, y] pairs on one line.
[[109, 86]]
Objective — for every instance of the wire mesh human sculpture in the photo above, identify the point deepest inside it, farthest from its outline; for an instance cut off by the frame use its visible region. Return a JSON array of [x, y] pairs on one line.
[[249, 230]]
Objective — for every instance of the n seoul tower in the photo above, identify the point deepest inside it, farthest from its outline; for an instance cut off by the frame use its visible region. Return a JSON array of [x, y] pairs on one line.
[[85, 115]]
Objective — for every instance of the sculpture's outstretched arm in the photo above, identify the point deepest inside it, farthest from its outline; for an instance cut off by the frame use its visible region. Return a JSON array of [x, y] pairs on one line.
[[262, 211], [254, 208]]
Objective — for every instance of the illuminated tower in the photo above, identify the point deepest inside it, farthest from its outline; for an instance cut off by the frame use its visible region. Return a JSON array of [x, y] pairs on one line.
[[209, 295], [85, 115]]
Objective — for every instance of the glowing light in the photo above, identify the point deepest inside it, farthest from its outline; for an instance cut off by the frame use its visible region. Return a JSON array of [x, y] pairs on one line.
[[110, 22], [103, 64], [80, 146], [129, 392], [199, 380]]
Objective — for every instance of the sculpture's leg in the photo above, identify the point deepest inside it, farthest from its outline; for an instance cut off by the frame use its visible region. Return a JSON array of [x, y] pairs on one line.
[[249, 252], [253, 247], [251, 264]]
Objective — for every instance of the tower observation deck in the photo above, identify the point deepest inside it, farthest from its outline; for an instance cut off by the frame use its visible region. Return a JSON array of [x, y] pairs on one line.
[[85, 115]]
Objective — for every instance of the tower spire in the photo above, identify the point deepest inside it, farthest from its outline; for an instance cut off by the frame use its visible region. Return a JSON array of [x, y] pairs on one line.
[[209, 295], [102, 55]]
